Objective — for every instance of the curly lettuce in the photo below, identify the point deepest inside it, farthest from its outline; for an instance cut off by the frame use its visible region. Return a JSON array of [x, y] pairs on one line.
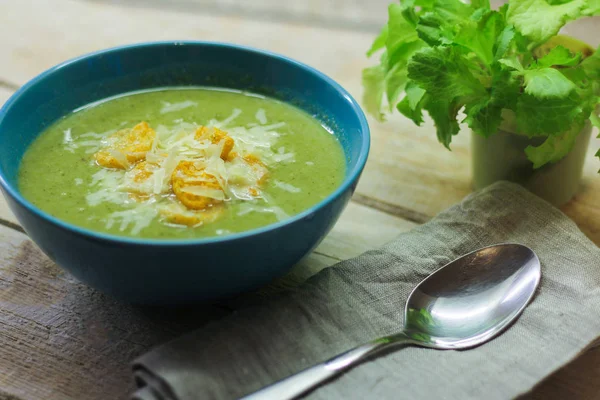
[[451, 59]]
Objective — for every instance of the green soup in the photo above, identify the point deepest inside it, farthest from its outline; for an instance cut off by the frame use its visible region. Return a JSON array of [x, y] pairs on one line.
[[282, 162]]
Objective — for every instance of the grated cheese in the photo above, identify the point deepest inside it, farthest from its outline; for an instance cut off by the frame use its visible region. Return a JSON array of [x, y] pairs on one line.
[[277, 211], [170, 107], [287, 187], [206, 192], [67, 138], [94, 135], [261, 116], [120, 157], [236, 112], [145, 187], [138, 218]]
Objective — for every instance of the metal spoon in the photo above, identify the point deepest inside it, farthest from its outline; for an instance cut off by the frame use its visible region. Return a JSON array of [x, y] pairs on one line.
[[461, 305]]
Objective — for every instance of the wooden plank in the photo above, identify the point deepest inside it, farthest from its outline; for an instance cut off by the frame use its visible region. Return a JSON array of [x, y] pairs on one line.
[[332, 14], [61, 340], [80, 27]]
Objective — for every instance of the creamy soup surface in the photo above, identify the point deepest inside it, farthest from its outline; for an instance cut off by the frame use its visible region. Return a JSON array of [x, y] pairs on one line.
[[181, 163]]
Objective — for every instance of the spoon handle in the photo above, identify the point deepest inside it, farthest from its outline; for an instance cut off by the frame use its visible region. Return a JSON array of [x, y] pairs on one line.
[[298, 384]]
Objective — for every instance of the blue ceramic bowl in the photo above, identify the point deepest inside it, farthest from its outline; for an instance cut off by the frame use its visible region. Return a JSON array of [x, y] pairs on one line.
[[167, 272]]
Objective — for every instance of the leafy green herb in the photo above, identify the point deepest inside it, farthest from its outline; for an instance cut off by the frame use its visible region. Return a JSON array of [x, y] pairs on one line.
[[448, 58], [559, 56], [539, 20], [596, 122]]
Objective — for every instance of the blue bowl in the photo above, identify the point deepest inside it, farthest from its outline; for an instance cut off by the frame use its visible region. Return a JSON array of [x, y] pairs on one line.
[[178, 271]]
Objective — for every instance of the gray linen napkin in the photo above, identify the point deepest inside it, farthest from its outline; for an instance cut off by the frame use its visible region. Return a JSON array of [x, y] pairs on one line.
[[363, 298]]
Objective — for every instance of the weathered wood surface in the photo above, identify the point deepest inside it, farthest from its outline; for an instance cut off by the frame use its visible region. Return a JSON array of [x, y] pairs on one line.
[[61, 340], [331, 14], [4, 94]]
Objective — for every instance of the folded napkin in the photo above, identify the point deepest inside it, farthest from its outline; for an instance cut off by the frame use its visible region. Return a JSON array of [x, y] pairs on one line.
[[363, 298]]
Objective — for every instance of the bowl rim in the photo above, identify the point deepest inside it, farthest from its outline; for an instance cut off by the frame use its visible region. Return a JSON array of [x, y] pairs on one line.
[[349, 180]]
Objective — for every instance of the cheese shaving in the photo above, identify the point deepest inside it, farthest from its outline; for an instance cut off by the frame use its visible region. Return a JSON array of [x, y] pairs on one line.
[[170, 107], [67, 138], [261, 116], [205, 192], [277, 211], [287, 187], [145, 186]]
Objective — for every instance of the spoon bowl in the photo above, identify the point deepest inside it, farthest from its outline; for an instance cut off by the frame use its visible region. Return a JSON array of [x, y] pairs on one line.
[[464, 304], [473, 298]]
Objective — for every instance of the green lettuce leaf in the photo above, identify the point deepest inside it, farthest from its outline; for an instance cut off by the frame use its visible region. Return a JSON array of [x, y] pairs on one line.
[[447, 56], [593, 8], [411, 105], [433, 30], [452, 11], [512, 63], [504, 42], [596, 122], [373, 80], [439, 20], [400, 37], [444, 115], [547, 83], [483, 116], [414, 94], [478, 4], [595, 119], [591, 65], [539, 20], [379, 42], [548, 116], [443, 72], [480, 36], [397, 76], [395, 80], [559, 56], [506, 89], [554, 148]]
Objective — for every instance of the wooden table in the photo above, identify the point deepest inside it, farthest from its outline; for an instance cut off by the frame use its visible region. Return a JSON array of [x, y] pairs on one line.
[[61, 340]]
